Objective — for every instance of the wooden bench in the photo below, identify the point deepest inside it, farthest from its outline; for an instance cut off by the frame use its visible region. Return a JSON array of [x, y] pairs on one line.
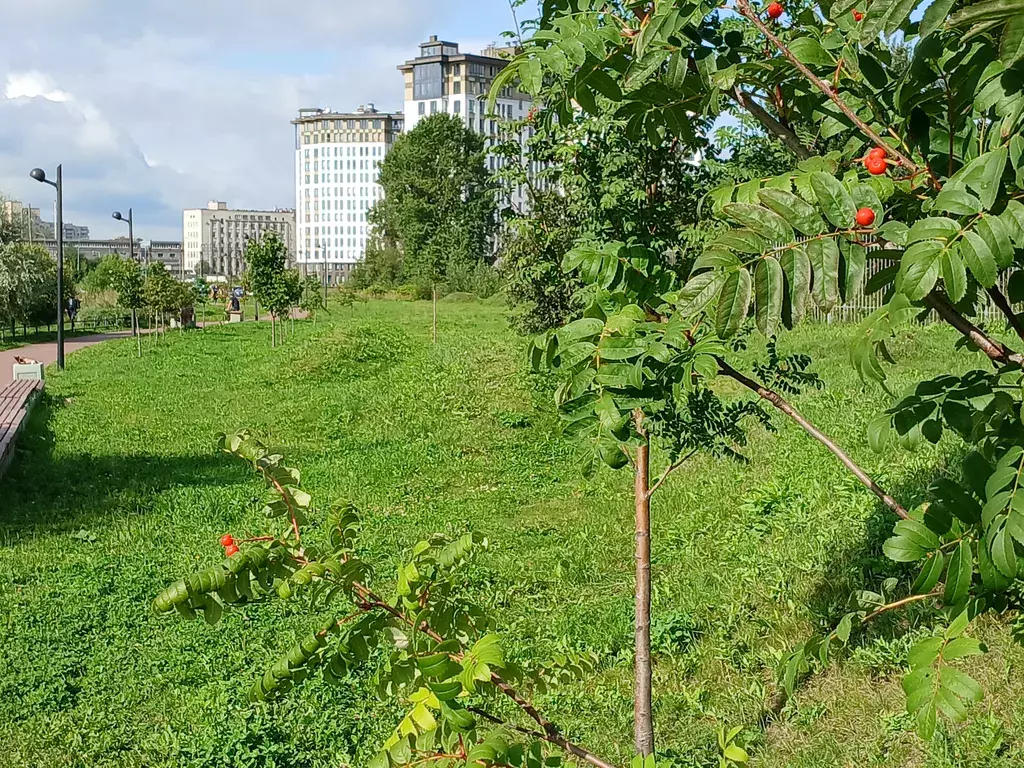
[[15, 401]]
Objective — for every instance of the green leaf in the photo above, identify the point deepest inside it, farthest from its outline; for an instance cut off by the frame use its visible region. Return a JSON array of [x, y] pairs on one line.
[[954, 274], [900, 549], [957, 201], [879, 432], [768, 224], [824, 259], [984, 175], [979, 259], [997, 238], [834, 199], [797, 268], [1003, 554], [741, 240], [920, 267], [768, 293], [931, 228], [962, 647], [958, 577], [715, 258], [700, 291], [930, 574], [917, 532], [935, 17], [987, 10], [800, 214], [734, 303], [924, 652], [1011, 47], [809, 51]]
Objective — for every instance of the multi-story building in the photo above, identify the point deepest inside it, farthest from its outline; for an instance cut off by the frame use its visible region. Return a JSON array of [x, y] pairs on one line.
[[442, 79], [168, 253], [74, 232], [215, 237], [337, 167]]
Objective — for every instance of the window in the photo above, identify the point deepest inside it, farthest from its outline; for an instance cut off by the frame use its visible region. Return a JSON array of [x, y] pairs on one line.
[[458, 107], [432, 50], [362, 124], [376, 123], [457, 87], [427, 81], [458, 71], [423, 107], [433, 107], [471, 104]]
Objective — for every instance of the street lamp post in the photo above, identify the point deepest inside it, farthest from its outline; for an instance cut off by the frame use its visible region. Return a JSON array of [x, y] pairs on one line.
[[116, 215], [40, 175]]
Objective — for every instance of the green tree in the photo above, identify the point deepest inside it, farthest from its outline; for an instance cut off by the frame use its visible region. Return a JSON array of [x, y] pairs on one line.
[[382, 265], [923, 163], [28, 285], [439, 204], [127, 281], [267, 261], [162, 293]]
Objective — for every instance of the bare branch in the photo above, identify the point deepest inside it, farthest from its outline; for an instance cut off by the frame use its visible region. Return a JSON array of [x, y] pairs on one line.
[[669, 470], [773, 126], [996, 351], [781, 404], [1003, 304]]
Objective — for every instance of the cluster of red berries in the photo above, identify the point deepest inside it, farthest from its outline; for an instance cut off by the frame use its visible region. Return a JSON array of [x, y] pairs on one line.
[[228, 542], [775, 10], [875, 161]]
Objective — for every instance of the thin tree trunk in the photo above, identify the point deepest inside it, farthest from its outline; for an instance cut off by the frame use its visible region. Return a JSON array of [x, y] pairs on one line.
[[643, 720], [434, 290], [137, 332], [273, 332]]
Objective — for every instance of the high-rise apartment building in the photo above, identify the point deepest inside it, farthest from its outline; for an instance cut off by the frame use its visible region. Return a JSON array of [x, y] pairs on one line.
[[442, 79], [337, 169], [215, 237]]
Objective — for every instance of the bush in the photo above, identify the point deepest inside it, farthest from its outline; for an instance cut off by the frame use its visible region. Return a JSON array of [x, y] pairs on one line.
[[460, 297]]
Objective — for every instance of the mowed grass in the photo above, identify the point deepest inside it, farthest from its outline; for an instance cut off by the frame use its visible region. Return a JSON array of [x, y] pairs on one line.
[[118, 490]]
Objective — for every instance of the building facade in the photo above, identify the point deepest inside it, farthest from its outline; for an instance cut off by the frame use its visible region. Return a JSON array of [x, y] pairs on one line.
[[215, 237], [36, 228], [337, 170], [168, 253], [94, 250], [444, 80]]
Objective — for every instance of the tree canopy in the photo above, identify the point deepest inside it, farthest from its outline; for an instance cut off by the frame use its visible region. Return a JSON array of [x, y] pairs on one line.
[[439, 202]]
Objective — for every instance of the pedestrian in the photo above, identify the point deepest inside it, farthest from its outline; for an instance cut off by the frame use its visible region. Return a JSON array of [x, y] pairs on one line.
[[73, 306]]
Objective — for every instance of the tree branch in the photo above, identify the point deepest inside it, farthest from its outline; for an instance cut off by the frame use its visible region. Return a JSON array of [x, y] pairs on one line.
[[669, 470], [773, 126], [996, 351], [899, 604], [1003, 304], [778, 402], [744, 8]]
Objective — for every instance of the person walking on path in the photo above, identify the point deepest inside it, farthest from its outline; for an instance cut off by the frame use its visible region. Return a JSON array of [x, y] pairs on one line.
[[73, 306]]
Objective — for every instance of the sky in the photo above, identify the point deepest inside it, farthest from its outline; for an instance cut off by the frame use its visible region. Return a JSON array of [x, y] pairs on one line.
[[161, 106]]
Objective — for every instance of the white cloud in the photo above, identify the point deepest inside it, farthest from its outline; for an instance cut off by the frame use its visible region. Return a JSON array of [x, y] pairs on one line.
[[163, 106]]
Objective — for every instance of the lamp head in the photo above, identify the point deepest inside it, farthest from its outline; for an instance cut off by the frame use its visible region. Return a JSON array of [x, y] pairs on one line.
[[117, 215], [38, 174]]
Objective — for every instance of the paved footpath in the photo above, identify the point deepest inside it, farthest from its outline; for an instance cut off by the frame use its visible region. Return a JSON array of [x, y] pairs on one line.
[[47, 352]]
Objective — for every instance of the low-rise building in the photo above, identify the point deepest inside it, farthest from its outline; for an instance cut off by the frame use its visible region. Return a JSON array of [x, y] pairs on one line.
[[168, 253], [215, 237]]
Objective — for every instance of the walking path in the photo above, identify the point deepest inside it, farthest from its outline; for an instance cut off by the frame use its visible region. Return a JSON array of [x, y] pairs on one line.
[[47, 352]]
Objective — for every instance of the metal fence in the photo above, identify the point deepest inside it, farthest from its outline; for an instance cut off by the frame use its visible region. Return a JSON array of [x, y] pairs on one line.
[[95, 324], [858, 307]]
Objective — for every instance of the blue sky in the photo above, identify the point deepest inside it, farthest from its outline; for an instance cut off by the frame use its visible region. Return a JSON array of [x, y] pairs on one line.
[[165, 105]]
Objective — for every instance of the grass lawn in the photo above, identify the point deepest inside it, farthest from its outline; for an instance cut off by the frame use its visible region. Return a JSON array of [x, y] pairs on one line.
[[118, 491]]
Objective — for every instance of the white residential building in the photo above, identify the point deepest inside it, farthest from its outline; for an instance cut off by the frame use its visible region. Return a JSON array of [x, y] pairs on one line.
[[337, 170], [442, 79], [214, 237]]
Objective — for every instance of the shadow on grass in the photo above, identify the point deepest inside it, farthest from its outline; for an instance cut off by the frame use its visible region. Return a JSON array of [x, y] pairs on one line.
[[862, 566], [41, 491]]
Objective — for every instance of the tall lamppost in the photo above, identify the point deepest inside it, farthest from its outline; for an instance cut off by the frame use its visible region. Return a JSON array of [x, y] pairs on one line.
[[116, 215], [40, 175]]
